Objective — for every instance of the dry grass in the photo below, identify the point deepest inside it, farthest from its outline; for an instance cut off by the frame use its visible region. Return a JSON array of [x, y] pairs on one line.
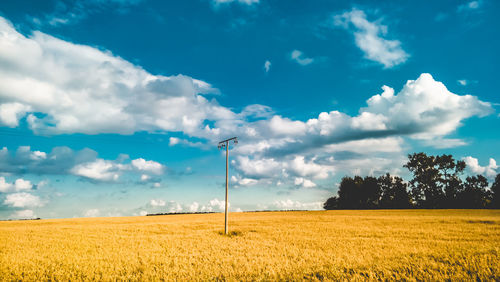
[[324, 245]]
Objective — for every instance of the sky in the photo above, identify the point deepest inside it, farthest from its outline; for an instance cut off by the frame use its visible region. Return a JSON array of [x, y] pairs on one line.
[[116, 107]]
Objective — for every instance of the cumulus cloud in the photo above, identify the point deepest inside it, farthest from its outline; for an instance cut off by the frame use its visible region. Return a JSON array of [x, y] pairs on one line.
[[296, 170], [23, 200], [61, 87], [369, 37], [303, 182], [10, 113], [148, 166], [423, 110], [4, 186], [107, 170], [22, 184], [157, 203], [98, 170], [490, 170], [18, 185], [300, 58]]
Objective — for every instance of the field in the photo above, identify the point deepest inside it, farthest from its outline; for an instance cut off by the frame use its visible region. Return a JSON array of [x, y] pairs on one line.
[[321, 245]]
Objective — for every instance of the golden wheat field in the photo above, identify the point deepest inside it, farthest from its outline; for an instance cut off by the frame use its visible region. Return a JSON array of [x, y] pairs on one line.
[[316, 245]]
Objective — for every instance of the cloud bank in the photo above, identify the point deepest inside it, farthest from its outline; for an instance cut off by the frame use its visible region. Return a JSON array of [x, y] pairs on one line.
[[58, 87], [65, 161]]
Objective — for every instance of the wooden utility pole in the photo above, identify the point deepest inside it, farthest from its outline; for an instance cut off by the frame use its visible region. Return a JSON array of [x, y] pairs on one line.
[[225, 144]]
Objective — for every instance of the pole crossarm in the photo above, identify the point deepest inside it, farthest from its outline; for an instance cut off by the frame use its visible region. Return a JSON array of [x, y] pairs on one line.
[[223, 143]]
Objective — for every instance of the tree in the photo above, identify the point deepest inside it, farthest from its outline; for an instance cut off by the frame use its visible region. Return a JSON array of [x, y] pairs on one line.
[[450, 178], [385, 183], [474, 194], [495, 190], [370, 193], [332, 203], [426, 179], [349, 192], [394, 194]]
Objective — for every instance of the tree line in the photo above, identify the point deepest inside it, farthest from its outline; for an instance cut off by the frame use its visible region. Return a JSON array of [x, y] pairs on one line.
[[437, 183]]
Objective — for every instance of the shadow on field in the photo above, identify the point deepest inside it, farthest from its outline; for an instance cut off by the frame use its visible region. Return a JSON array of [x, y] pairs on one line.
[[481, 221], [231, 233]]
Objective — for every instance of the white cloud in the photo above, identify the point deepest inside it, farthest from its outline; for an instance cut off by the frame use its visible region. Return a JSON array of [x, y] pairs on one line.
[[462, 82], [194, 207], [24, 214], [92, 213], [258, 168], [303, 182], [18, 185], [299, 166], [179, 141], [238, 181], [267, 66], [295, 205], [369, 37], [261, 170], [157, 203], [214, 205], [10, 113], [425, 106], [99, 169], [22, 184], [37, 155], [4, 186], [22, 200], [490, 171], [148, 166], [162, 206], [300, 58], [284, 126], [423, 110], [61, 87]]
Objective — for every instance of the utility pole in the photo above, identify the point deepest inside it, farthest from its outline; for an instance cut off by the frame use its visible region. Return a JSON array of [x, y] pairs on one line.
[[225, 144]]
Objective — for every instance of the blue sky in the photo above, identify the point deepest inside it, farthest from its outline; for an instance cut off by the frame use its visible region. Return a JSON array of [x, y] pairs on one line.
[[115, 107]]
